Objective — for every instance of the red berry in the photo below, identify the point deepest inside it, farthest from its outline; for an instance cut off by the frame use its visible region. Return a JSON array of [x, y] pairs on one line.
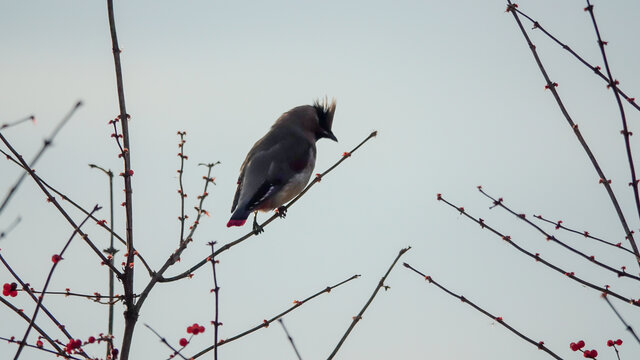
[[91, 340], [573, 346], [183, 342], [39, 343], [580, 344], [55, 258], [618, 342], [610, 343]]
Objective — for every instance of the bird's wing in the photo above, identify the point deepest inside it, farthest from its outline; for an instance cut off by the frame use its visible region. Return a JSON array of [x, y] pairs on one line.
[[271, 163]]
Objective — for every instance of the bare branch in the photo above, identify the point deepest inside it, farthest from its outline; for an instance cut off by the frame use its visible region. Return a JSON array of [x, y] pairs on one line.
[[537, 256], [550, 85], [47, 142], [164, 341], [10, 227], [613, 84], [56, 260], [265, 323], [55, 202], [18, 122], [500, 203], [558, 225], [595, 69], [42, 333], [498, 319], [364, 308]]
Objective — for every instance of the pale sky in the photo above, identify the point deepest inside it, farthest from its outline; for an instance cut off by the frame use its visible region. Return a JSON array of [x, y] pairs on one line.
[[458, 102]]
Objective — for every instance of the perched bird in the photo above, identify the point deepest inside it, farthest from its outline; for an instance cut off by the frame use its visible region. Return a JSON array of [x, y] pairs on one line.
[[279, 165]]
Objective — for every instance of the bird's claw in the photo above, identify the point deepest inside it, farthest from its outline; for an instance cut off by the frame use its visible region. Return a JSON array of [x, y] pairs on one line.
[[282, 211], [257, 229]]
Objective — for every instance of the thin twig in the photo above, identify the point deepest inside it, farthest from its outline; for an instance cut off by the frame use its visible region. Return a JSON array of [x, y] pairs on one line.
[[550, 85], [183, 195], [498, 319], [265, 323], [537, 256], [364, 308], [17, 122], [500, 203], [10, 227], [613, 84], [47, 142], [272, 218], [164, 341], [46, 284], [216, 292], [96, 297], [558, 225], [595, 69], [293, 345], [112, 252], [626, 325]]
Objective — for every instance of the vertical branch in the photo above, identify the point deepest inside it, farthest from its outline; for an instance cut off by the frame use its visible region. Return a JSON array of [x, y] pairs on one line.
[[183, 157], [613, 84], [375, 292], [111, 251], [216, 290], [603, 179], [131, 314]]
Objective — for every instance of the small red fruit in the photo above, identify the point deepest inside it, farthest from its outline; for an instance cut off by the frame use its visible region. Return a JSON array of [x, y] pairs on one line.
[[183, 342]]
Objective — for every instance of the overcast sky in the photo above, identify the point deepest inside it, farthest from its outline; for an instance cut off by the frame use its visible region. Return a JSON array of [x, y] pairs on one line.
[[458, 102]]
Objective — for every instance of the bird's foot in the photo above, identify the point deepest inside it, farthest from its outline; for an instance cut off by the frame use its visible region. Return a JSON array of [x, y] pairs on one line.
[[282, 211], [257, 229]]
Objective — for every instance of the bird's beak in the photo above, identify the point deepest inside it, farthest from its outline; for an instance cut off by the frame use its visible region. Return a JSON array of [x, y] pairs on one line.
[[330, 135]]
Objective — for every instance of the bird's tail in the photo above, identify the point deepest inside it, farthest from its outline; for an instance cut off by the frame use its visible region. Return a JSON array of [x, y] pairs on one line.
[[238, 218]]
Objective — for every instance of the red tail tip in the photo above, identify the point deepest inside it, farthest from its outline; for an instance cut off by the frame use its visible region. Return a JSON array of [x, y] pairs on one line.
[[233, 222]]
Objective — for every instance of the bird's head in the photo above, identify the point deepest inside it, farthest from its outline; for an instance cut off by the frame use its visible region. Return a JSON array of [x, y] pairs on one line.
[[324, 112]]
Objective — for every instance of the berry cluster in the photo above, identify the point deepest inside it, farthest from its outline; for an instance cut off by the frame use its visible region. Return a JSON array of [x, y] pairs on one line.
[[10, 289], [195, 329], [613, 343]]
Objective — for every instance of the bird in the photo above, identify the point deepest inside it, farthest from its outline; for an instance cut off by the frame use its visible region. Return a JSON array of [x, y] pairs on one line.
[[280, 164]]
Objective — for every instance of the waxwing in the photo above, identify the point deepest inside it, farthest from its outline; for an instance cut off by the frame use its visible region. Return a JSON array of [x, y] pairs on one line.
[[279, 166]]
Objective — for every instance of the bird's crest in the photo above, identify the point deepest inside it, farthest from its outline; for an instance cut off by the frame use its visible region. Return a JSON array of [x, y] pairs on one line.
[[325, 111]]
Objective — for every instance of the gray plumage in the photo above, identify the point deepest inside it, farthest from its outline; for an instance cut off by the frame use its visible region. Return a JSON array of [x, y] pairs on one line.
[[280, 164]]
